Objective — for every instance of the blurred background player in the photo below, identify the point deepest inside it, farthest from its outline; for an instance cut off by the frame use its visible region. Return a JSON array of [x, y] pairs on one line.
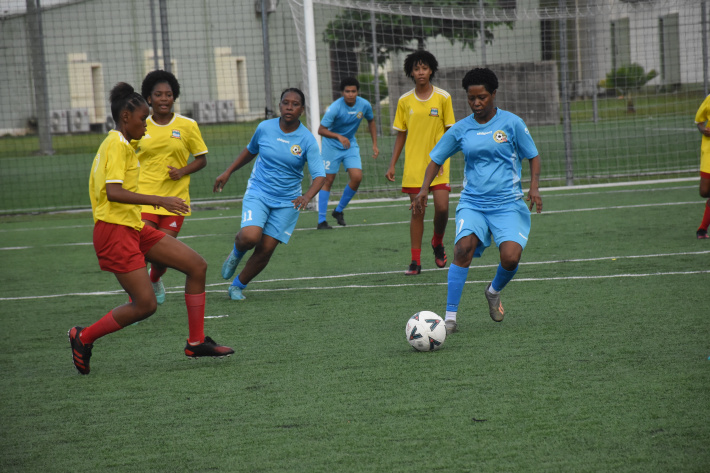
[[338, 127], [163, 153], [494, 144], [701, 120], [423, 115], [272, 200], [123, 242]]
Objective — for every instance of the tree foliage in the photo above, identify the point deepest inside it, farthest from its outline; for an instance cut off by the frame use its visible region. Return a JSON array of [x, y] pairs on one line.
[[627, 80], [394, 33]]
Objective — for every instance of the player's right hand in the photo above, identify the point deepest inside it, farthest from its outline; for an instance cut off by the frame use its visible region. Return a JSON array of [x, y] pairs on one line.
[[390, 174], [220, 182], [419, 203]]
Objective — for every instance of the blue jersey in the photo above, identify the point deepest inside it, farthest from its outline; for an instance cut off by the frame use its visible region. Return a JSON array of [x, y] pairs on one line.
[[493, 154], [344, 120], [278, 170]]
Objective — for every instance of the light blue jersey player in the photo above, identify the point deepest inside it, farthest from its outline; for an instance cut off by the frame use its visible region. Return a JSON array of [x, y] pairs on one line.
[[494, 144], [273, 199], [339, 146]]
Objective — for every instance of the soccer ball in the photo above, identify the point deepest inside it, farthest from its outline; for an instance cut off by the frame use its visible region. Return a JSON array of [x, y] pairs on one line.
[[425, 331]]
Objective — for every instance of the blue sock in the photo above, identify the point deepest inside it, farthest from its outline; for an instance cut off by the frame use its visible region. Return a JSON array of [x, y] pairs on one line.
[[238, 253], [323, 197], [238, 283], [503, 277], [456, 280], [348, 194]]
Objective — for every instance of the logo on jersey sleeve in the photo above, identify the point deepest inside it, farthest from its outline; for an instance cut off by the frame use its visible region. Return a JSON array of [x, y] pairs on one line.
[[176, 134], [296, 150], [500, 137], [434, 112]]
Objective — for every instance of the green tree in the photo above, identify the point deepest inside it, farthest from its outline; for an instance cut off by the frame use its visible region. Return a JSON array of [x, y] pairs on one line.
[[627, 80], [350, 33]]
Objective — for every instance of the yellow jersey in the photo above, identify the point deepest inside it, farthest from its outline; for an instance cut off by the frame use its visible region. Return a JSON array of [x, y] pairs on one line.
[[163, 146], [115, 163], [425, 122], [702, 116]]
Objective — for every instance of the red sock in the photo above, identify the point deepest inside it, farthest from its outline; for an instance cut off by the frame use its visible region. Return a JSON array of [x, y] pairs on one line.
[[417, 255], [706, 217], [105, 325], [437, 240], [196, 317], [155, 274]]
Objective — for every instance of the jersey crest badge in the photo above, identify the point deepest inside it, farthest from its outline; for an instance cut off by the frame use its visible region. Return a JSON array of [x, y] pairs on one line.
[[176, 134], [434, 112], [500, 137], [359, 115], [296, 150]]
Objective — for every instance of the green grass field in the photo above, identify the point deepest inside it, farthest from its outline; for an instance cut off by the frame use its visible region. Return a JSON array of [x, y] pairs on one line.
[[601, 363]]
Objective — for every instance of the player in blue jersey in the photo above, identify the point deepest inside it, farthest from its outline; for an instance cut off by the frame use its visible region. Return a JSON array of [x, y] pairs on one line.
[[273, 197], [494, 144], [339, 146]]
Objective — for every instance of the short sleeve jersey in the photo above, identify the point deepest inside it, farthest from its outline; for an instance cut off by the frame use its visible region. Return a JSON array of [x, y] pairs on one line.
[[425, 121], [163, 146], [702, 116], [115, 163], [278, 170], [493, 155], [344, 120]]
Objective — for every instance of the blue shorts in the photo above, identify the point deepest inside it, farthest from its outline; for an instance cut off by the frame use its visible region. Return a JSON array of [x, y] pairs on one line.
[[509, 222], [333, 158], [276, 218]]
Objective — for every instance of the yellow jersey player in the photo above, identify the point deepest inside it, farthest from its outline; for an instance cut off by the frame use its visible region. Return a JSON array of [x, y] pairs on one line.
[[701, 120], [423, 115], [163, 153]]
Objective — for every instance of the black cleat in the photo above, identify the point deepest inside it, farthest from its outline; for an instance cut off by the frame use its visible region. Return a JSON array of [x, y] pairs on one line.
[[81, 353], [414, 268], [324, 226], [338, 216], [207, 348], [439, 255]]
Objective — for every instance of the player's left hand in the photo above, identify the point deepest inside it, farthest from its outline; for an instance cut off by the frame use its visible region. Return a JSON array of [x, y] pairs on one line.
[[375, 152], [535, 200], [300, 203], [175, 173]]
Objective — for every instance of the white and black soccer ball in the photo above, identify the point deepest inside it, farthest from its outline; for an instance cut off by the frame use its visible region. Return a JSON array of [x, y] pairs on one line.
[[425, 331]]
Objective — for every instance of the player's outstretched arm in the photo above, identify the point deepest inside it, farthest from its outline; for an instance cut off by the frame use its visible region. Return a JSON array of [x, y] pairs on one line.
[[534, 193], [244, 157], [396, 151], [420, 200], [373, 134], [116, 193]]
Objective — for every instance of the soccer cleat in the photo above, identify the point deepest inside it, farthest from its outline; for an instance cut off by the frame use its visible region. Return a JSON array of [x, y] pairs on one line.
[[495, 308], [324, 226], [159, 290], [338, 216], [230, 265], [702, 234], [235, 293], [451, 327], [414, 268], [207, 348], [439, 255], [81, 353]]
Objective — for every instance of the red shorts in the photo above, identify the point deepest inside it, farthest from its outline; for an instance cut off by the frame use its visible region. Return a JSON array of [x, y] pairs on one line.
[[169, 222], [415, 190], [705, 175], [122, 249]]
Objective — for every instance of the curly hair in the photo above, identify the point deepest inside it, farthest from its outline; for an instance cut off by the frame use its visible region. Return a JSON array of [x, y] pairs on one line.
[[349, 81], [297, 91], [481, 76], [156, 77], [420, 57], [124, 97]]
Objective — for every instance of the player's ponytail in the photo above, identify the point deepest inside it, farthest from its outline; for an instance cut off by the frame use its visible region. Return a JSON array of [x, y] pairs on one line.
[[124, 96]]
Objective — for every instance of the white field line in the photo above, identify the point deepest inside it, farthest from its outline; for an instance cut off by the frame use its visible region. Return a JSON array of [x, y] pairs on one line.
[[403, 222], [179, 289]]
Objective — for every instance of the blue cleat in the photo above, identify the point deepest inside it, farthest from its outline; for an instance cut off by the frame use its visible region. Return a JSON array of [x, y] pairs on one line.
[[235, 293], [159, 290], [230, 265]]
